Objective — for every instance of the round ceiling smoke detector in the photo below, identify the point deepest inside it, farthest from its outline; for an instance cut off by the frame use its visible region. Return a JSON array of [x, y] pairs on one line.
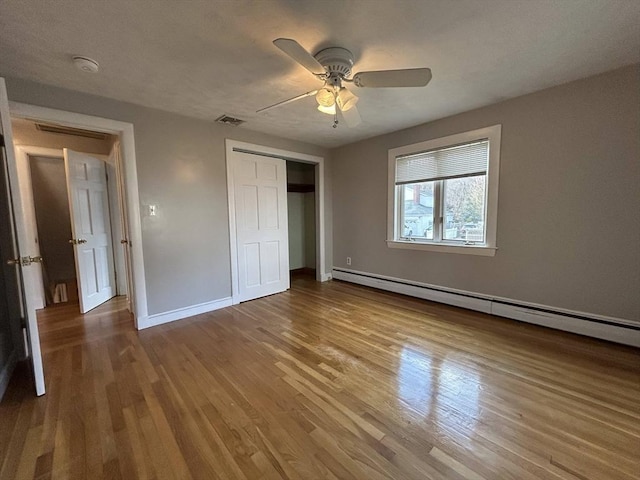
[[86, 64]]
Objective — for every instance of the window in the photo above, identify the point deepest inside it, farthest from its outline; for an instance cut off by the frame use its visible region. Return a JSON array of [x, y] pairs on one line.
[[443, 193]]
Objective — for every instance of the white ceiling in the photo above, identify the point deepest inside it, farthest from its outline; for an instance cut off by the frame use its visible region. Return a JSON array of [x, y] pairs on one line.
[[205, 58]]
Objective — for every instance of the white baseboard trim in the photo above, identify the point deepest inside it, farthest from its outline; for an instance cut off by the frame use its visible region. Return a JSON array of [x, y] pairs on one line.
[[180, 313], [613, 329], [5, 374], [325, 277]]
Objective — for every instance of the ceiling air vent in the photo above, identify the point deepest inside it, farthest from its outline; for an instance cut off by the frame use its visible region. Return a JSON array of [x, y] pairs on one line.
[[229, 120], [76, 132]]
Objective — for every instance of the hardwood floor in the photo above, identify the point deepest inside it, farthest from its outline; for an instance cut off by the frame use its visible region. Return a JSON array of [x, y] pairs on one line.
[[330, 381]]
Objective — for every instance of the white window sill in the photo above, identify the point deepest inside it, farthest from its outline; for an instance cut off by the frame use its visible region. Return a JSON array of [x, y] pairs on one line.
[[482, 250]]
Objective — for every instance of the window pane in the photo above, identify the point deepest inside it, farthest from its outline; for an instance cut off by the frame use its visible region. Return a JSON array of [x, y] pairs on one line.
[[464, 209], [417, 211]]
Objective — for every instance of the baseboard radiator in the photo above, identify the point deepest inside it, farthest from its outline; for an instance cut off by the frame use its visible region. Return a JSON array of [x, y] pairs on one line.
[[613, 329]]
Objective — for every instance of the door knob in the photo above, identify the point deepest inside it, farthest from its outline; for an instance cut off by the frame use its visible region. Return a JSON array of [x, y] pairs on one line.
[[82, 240], [13, 261], [76, 241]]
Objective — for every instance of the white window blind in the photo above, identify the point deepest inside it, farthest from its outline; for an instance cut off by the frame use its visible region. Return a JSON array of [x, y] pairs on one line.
[[449, 162]]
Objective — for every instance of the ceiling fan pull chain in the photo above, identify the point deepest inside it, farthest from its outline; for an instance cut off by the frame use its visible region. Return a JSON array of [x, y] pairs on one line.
[[335, 120]]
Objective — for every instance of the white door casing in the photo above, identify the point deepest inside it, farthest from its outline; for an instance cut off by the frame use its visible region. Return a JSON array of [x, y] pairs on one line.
[[117, 223], [91, 228], [125, 243], [28, 296], [260, 200]]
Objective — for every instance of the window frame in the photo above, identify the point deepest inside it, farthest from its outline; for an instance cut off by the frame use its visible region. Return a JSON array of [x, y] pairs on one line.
[[394, 218], [400, 199]]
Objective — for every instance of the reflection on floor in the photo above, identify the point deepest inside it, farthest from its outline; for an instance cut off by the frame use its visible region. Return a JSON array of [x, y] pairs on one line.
[[62, 326], [327, 380]]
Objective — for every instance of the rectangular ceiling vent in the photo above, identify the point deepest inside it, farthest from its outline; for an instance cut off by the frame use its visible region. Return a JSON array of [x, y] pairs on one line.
[[229, 120], [76, 132]]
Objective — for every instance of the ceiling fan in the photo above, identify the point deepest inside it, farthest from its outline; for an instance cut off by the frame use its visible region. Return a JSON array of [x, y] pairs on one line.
[[333, 67]]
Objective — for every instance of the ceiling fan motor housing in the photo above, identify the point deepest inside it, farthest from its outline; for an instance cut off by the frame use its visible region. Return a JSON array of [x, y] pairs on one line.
[[337, 62]]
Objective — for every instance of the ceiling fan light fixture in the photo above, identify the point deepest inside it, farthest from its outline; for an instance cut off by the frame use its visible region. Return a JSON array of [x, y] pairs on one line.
[[325, 97], [333, 66], [346, 100], [328, 110]]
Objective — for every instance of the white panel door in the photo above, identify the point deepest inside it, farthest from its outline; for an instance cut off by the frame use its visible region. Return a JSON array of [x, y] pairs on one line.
[[260, 196], [14, 238], [91, 228]]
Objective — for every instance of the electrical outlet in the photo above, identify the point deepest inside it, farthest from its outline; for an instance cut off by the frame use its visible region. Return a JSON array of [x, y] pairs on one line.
[[348, 260]]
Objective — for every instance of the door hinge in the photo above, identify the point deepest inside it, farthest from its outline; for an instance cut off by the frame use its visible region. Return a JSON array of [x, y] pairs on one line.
[[23, 323], [1, 140], [24, 261]]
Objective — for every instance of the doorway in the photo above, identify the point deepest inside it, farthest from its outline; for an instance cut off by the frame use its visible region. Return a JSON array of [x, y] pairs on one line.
[[57, 282], [301, 187], [62, 207], [241, 152], [128, 184]]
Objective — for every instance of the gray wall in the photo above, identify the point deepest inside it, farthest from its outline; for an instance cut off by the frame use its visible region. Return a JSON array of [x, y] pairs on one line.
[[295, 217], [301, 209], [568, 219], [568, 227], [53, 219], [310, 230], [300, 173], [181, 168]]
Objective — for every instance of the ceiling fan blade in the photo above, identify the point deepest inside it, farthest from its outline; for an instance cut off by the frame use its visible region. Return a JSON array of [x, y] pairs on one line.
[[351, 117], [284, 102], [299, 54], [411, 77]]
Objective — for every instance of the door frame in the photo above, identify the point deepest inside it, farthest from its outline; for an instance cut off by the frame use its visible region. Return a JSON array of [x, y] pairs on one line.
[[23, 152], [128, 178], [232, 146]]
